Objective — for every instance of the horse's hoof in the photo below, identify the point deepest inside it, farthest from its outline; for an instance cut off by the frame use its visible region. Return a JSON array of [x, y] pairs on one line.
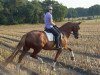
[[53, 68], [18, 66], [31, 55], [40, 59], [72, 58], [3, 63], [30, 58], [42, 62]]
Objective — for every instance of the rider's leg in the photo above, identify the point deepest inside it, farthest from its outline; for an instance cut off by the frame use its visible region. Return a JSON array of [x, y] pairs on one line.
[[57, 37]]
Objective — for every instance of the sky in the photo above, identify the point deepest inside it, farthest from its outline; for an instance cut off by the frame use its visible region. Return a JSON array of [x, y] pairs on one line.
[[78, 3]]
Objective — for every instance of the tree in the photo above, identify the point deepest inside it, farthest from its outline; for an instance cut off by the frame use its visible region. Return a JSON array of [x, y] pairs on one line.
[[1, 6], [94, 10], [72, 13], [3, 19], [24, 11], [59, 12], [38, 11], [81, 12]]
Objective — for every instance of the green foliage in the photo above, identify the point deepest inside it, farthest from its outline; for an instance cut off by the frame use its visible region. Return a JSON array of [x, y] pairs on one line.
[[72, 13], [94, 10], [1, 6], [24, 11], [37, 12], [3, 19], [81, 12], [84, 12], [60, 12]]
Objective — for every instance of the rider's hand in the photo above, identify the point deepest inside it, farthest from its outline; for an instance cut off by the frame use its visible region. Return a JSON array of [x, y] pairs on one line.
[[54, 25]]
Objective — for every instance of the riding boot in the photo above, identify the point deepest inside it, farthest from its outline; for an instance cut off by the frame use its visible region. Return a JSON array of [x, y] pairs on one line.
[[58, 46]]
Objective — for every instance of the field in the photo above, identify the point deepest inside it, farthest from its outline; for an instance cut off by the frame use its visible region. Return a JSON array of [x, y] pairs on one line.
[[86, 49]]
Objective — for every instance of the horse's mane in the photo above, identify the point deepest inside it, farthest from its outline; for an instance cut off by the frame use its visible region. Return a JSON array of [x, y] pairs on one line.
[[66, 25], [70, 24]]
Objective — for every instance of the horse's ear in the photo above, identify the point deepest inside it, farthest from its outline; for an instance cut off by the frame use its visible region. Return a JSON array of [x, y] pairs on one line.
[[79, 23]]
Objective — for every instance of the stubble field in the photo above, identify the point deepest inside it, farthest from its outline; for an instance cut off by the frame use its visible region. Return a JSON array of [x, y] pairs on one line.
[[86, 49]]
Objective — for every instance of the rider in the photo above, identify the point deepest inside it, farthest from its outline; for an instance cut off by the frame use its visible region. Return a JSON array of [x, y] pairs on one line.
[[50, 26]]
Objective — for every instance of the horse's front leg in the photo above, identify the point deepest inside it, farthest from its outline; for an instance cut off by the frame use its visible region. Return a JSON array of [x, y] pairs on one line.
[[55, 60], [72, 54]]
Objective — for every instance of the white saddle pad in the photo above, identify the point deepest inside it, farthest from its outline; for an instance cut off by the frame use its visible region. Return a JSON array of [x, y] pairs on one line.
[[50, 36]]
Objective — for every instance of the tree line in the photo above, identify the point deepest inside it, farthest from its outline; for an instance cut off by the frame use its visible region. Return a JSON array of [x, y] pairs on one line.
[[24, 11], [84, 12]]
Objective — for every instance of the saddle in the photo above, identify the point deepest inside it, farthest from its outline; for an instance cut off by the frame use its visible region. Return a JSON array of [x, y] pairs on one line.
[[50, 36]]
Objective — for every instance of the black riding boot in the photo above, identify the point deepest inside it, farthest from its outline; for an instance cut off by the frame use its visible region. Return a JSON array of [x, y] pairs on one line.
[[57, 41]]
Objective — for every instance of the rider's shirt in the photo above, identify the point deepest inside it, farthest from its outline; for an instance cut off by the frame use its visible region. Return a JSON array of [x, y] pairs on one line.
[[47, 18]]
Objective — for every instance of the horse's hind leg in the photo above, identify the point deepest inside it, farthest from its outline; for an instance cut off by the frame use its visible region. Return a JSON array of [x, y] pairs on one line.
[[35, 52], [25, 50], [34, 55], [11, 57]]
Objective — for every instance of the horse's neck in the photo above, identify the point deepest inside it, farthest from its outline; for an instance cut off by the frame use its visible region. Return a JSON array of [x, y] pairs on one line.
[[66, 31]]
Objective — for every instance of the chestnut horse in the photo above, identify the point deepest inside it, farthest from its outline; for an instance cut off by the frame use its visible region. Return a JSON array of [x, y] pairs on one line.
[[38, 40]]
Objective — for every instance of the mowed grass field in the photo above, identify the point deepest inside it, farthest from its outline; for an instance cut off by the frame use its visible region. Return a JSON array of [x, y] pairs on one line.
[[86, 49]]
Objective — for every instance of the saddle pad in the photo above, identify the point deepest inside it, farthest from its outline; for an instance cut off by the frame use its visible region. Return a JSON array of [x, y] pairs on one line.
[[50, 36]]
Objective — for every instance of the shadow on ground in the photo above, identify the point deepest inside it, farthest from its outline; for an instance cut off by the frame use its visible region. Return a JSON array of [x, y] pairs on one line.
[[77, 69]]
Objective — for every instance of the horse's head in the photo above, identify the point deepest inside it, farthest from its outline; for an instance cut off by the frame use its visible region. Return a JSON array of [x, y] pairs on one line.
[[75, 29], [69, 27]]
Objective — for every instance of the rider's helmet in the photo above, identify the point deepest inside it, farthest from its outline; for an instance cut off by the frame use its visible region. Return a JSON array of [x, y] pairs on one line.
[[50, 7]]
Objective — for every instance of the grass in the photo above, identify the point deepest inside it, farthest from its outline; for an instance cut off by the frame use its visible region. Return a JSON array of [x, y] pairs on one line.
[[86, 49]]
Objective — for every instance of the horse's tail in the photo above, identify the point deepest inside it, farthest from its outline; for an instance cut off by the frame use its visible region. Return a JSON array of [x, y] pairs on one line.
[[17, 49], [21, 43]]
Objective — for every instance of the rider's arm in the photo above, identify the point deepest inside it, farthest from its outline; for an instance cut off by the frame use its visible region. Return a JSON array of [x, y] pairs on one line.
[[51, 20]]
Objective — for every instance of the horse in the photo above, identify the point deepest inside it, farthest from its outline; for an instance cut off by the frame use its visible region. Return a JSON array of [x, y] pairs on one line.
[[38, 41]]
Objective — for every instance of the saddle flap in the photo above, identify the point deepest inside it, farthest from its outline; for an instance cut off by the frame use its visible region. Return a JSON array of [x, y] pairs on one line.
[[50, 36]]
